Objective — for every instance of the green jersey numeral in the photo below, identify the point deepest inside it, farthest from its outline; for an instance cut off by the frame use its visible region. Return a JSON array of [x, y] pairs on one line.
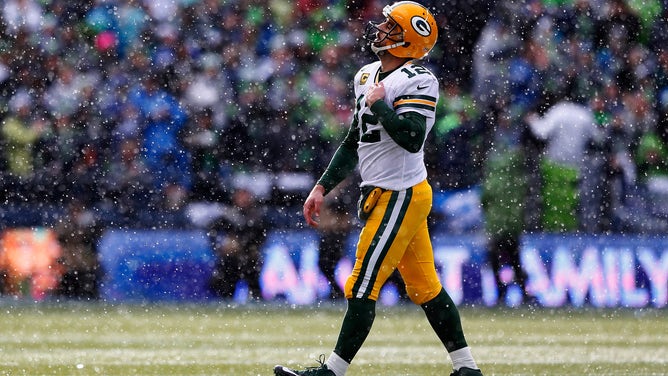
[[415, 71], [366, 135]]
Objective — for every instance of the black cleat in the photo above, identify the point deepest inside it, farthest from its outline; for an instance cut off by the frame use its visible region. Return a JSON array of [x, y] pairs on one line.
[[465, 371], [320, 370]]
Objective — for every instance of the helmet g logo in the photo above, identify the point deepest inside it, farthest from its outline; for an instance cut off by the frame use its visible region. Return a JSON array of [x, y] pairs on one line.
[[421, 26]]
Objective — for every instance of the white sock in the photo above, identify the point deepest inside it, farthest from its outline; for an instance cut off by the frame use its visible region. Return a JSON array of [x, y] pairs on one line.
[[336, 364], [462, 358]]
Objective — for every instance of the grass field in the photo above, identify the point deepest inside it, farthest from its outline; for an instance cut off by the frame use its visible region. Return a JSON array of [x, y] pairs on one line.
[[96, 339]]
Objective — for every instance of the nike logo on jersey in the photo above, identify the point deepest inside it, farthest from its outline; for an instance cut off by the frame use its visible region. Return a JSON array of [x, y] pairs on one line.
[[422, 87]]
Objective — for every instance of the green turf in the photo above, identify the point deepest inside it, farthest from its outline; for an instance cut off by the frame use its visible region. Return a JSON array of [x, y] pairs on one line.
[[96, 339]]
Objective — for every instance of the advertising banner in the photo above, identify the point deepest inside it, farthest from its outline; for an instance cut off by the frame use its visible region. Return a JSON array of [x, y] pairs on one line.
[[29, 265], [601, 271], [155, 265], [562, 270]]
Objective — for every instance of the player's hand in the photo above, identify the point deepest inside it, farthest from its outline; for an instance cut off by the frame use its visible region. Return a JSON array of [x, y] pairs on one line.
[[375, 93], [312, 205]]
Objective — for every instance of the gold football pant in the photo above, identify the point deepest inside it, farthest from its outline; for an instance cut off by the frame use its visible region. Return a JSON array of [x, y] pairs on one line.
[[396, 236]]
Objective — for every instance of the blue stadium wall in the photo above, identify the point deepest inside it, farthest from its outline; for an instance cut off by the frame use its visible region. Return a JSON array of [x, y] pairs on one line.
[[563, 270]]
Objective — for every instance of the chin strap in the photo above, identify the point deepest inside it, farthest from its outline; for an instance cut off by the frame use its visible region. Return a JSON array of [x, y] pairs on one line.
[[376, 50]]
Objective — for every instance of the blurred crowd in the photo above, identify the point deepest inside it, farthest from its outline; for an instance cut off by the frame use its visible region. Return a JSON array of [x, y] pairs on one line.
[[577, 92], [138, 109], [134, 107]]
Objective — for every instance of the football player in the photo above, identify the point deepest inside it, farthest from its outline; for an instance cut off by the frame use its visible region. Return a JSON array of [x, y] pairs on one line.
[[395, 108]]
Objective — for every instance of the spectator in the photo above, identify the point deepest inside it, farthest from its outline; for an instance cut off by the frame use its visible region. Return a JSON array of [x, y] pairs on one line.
[[67, 93], [334, 230], [78, 234], [620, 26], [457, 137], [209, 90], [22, 15], [201, 138], [20, 131], [529, 73], [237, 237], [169, 210], [577, 20], [128, 181], [658, 34], [652, 162], [568, 129], [652, 158], [505, 189], [132, 22], [84, 174], [166, 158], [494, 48]]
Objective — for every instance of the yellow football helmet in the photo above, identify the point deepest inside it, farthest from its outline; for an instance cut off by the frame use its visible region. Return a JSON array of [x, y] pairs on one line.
[[413, 35]]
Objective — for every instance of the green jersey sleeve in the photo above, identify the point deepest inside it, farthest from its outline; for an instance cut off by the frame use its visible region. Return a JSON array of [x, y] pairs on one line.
[[408, 129], [343, 162]]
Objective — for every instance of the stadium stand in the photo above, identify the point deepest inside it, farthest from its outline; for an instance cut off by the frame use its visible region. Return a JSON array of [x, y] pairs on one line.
[[143, 111]]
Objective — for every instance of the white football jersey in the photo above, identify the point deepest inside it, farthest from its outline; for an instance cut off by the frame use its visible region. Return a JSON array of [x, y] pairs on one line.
[[382, 162]]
